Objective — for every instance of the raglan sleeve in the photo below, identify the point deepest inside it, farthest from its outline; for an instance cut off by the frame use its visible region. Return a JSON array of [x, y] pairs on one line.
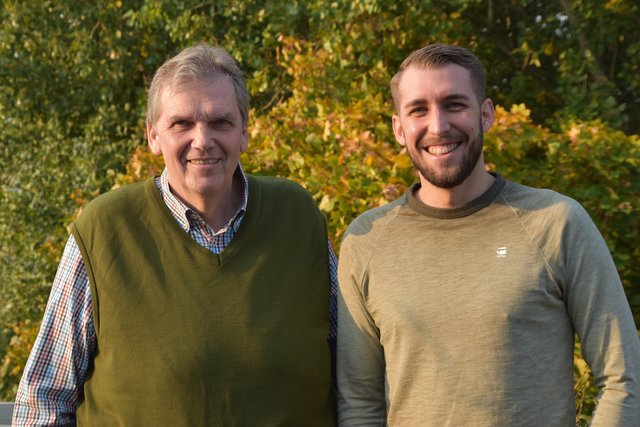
[[360, 356], [603, 321]]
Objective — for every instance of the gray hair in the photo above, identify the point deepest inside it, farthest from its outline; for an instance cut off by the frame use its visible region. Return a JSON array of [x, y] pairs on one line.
[[438, 55], [198, 63]]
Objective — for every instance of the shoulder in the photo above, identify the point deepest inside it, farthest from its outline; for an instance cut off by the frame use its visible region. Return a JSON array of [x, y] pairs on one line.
[[116, 201], [119, 195], [369, 228], [375, 218], [272, 183], [365, 237], [273, 199], [277, 189], [543, 203], [554, 222]]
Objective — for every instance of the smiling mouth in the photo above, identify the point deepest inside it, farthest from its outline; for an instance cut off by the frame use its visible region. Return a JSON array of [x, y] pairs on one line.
[[203, 161], [440, 150]]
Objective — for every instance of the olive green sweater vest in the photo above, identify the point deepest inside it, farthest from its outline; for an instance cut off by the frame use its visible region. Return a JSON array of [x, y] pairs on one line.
[[191, 338]]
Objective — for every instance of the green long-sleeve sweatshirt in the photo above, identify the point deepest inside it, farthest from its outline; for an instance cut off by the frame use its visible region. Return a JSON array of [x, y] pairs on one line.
[[467, 316]]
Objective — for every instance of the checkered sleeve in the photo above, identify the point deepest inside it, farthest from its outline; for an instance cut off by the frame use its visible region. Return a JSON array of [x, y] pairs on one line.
[[52, 382], [333, 307]]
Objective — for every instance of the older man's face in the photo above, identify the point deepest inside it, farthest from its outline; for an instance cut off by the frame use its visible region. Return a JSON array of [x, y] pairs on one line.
[[200, 134]]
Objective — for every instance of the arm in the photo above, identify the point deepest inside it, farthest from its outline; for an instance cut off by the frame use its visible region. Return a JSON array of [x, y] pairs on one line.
[[52, 382], [603, 321], [360, 356], [333, 308]]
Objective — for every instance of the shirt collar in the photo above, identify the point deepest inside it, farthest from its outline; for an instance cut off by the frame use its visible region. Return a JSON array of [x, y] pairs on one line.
[[183, 213]]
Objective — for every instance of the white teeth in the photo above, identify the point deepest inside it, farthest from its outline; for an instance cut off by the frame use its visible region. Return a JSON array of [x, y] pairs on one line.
[[202, 161], [441, 149]]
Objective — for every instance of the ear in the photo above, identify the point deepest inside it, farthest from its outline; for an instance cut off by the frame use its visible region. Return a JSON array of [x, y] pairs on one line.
[[152, 139], [398, 132], [487, 113], [245, 140]]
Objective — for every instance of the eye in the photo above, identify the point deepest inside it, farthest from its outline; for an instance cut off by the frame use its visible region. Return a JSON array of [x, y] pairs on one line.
[[456, 106], [221, 123], [418, 110], [180, 124]]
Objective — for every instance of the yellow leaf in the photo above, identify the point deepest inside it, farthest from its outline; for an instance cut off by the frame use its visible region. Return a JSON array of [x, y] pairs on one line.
[[326, 204]]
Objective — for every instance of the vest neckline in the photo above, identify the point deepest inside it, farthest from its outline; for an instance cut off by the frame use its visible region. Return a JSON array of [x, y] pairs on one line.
[[238, 239]]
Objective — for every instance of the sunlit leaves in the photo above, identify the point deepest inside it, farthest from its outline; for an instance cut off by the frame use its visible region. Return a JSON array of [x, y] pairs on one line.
[[12, 362], [73, 78]]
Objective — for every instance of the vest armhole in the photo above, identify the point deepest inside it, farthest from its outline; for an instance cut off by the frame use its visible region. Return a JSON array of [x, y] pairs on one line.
[[95, 301]]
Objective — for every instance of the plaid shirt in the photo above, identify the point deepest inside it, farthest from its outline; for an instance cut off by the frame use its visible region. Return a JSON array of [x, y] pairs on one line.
[[52, 383]]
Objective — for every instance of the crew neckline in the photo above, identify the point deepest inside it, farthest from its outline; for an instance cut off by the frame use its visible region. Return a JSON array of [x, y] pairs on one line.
[[473, 206]]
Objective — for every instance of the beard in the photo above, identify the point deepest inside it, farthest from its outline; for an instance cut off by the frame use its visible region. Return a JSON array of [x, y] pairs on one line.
[[453, 175]]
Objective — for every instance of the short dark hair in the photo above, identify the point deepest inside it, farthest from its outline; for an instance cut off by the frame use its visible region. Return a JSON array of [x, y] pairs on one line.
[[438, 55]]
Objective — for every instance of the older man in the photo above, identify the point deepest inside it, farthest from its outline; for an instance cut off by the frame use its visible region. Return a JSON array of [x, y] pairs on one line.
[[459, 302], [199, 297]]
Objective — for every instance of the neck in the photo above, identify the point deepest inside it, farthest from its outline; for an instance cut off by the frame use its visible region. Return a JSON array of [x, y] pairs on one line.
[[219, 210], [476, 184]]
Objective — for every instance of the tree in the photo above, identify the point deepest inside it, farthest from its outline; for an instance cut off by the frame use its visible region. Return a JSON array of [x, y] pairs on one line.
[[73, 80]]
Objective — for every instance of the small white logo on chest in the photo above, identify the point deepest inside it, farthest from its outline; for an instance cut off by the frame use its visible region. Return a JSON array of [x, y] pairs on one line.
[[501, 252]]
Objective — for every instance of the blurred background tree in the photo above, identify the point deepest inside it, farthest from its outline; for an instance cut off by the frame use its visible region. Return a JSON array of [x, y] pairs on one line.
[[74, 75]]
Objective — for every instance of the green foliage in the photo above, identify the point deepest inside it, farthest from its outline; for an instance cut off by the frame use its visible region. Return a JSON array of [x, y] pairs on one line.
[[337, 144], [67, 120], [575, 59], [73, 78], [589, 161], [584, 389]]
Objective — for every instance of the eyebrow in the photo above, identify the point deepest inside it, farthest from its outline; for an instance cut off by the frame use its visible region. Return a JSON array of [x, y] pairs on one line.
[[448, 98], [225, 116]]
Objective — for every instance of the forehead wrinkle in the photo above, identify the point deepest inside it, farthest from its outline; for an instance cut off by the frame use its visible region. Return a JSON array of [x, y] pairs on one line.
[[195, 110]]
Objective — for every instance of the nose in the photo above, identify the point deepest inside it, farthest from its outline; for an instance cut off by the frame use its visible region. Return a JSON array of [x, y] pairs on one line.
[[203, 138], [438, 121]]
